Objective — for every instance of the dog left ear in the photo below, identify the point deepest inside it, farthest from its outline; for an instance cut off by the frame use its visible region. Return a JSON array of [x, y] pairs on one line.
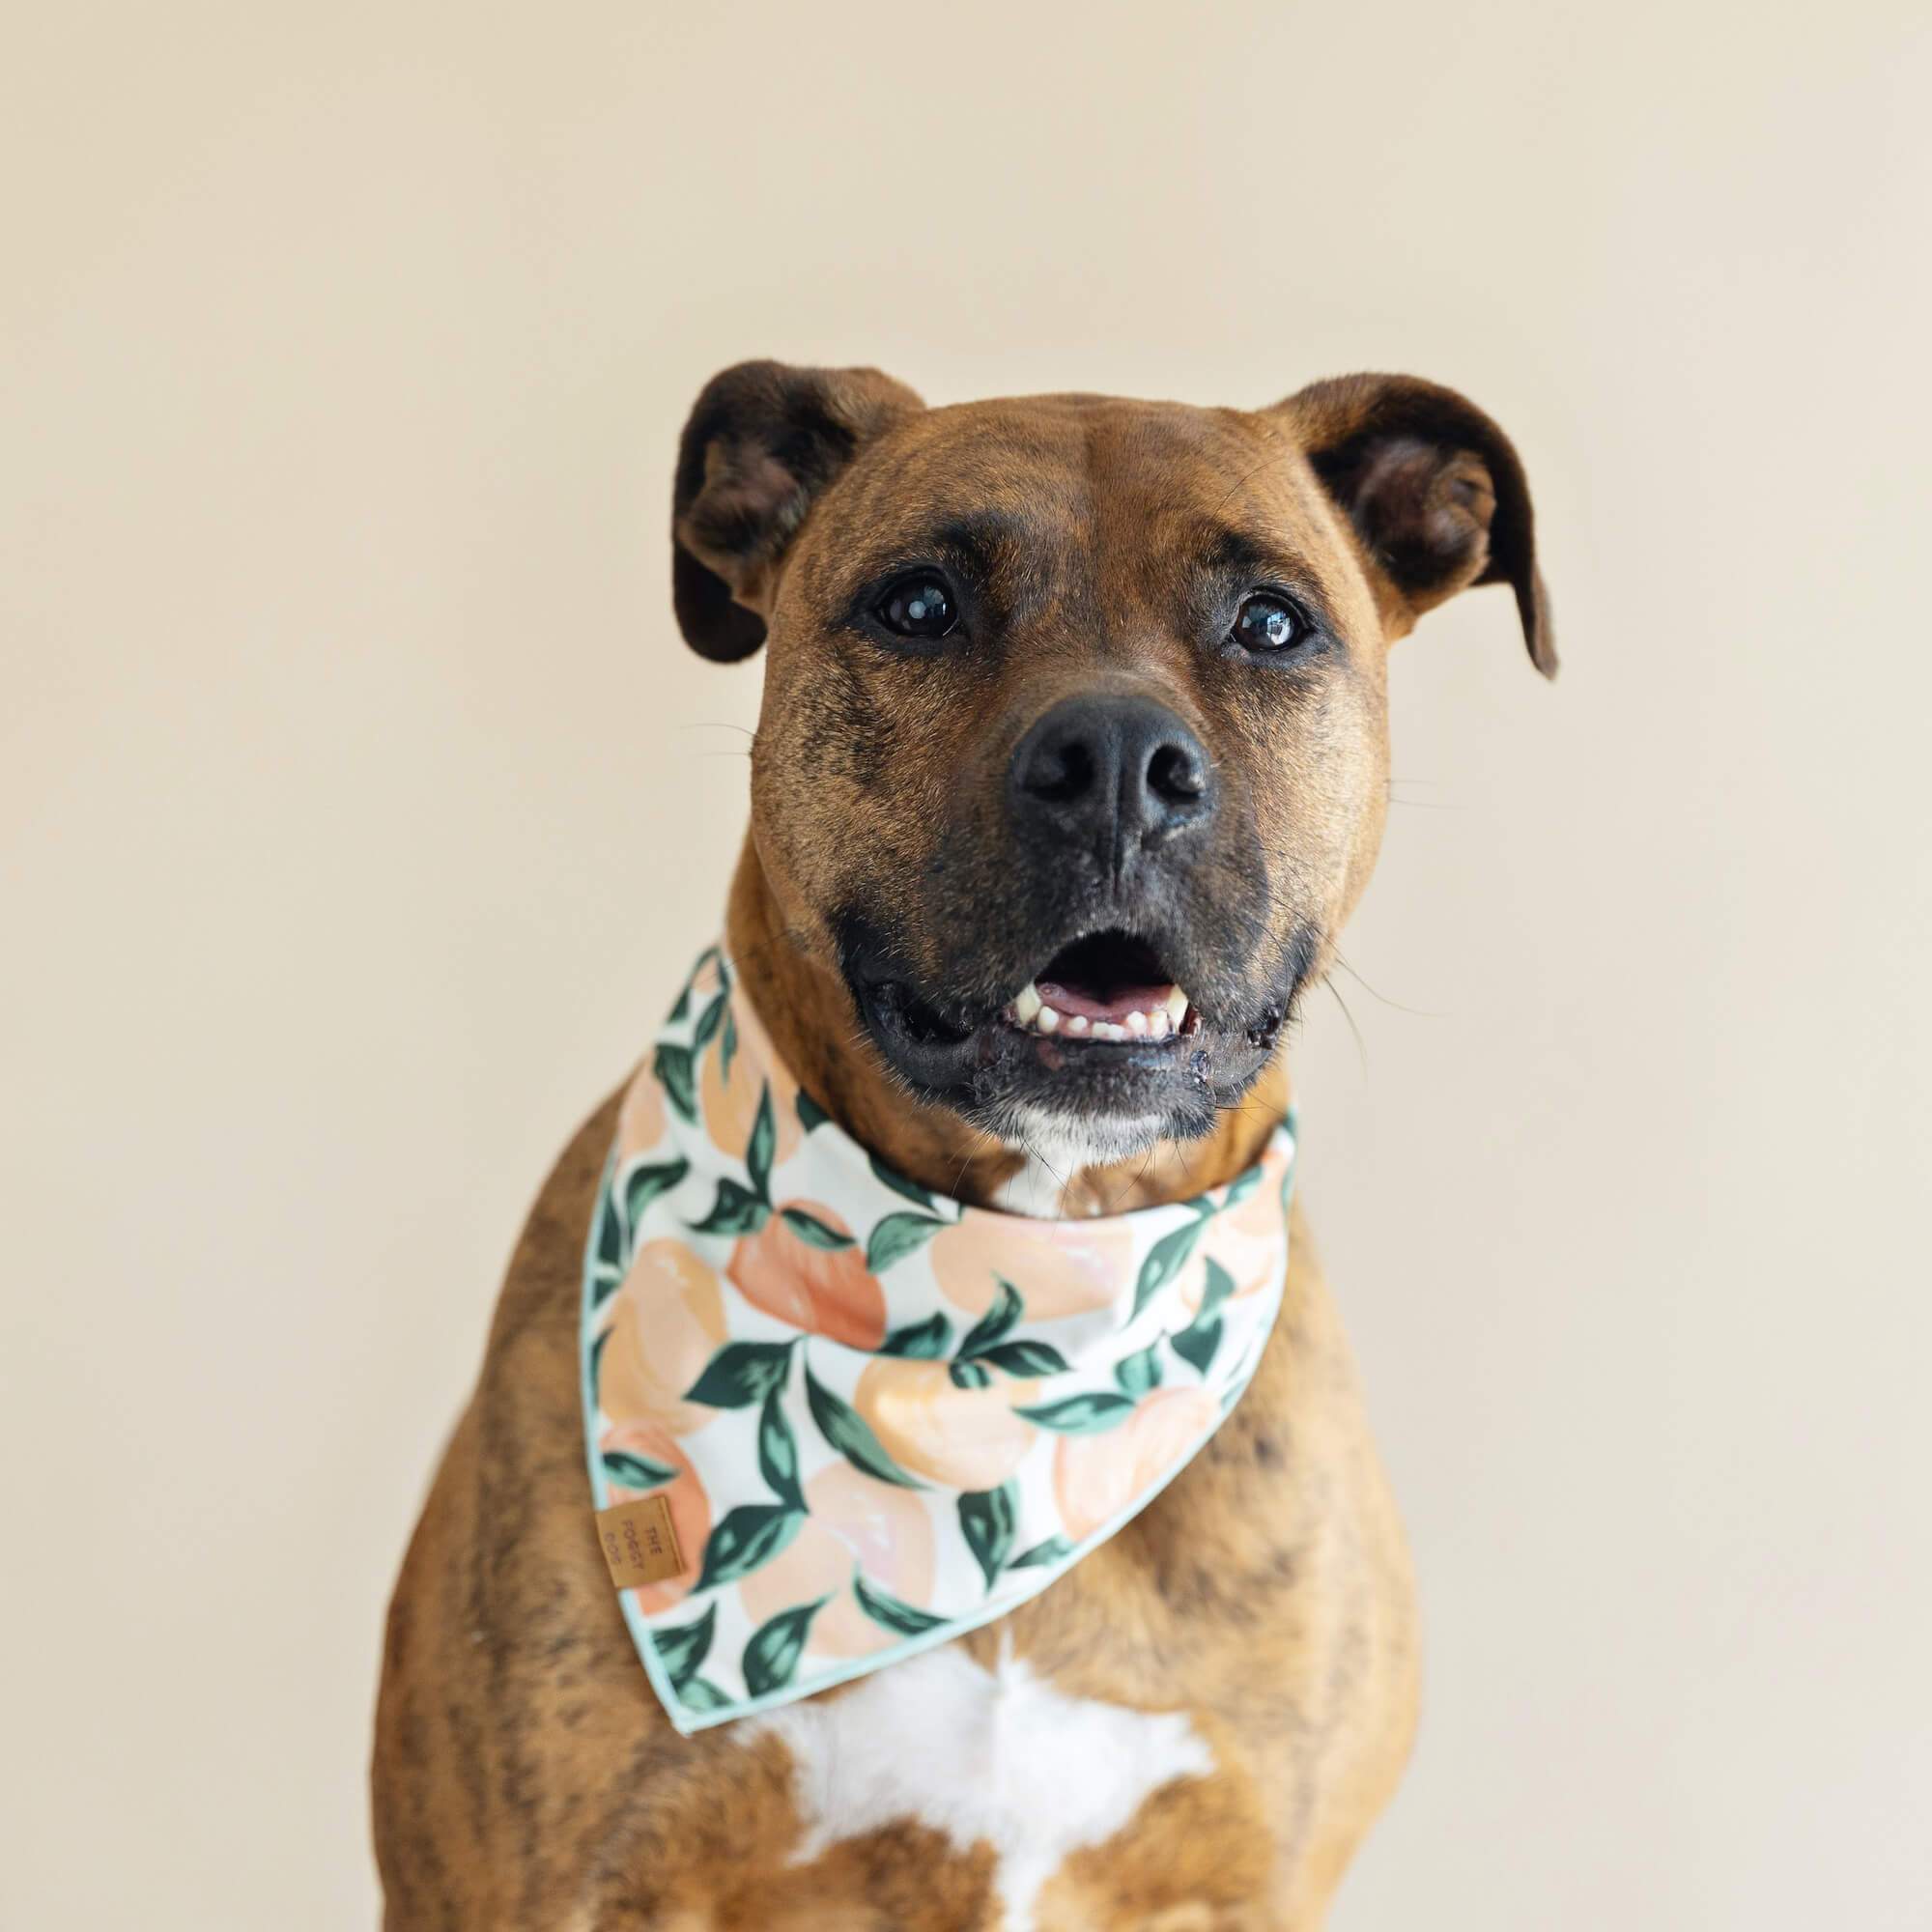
[[763, 440], [1433, 488]]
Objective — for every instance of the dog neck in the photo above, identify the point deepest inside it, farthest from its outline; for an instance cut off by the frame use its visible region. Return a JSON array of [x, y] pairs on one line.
[[808, 1012]]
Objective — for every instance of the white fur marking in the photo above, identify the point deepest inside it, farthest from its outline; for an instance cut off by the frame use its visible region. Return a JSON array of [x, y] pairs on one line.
[[977, 1754], [1057, 1148], [1034, 1188]]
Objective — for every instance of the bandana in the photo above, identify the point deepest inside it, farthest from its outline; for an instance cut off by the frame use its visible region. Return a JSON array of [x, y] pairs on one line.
[[835, 1419]]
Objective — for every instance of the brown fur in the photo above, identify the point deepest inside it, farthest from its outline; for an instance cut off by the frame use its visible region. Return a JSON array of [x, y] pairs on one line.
[[524, 1775]]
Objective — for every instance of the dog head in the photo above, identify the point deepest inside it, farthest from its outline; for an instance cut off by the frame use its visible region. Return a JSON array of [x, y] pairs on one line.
[[1073, 752]]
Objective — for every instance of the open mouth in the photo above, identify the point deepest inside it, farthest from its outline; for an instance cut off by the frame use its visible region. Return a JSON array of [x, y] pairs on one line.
[[1109, 986], [1104, 1043]]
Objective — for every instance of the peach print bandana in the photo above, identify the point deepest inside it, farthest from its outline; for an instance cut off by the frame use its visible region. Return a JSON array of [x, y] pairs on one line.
[[878, 1418]]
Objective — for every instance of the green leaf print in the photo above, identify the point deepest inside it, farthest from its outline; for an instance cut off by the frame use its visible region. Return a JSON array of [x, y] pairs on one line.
[[727, 1043], [1082, 1414], [995, 1322], [607, 1266], [739, 1374], [811, 1114], [682, 1651], [1024, 1359], [701, 1694], [703, 959], [771, 1658], [966, 1375], [747, 1540], [643, 1184], [708, 1023], [778, 1452], [813, 1231], [922, 1340], [1220, 1288], [1052, 1550], [597, 1358], [1165, 1260], [636, 1472], [736, 1211], [899, 1184], [1138, 1372], [677, 1075], [1197, 1342], [987, 1519], [763, 1142], [610, 1243], [898, 1236], [851, 1434], [887, 1612]]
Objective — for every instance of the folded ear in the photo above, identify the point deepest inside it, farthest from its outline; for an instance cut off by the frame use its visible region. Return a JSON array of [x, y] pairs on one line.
[[763, 440], [1434, 490]]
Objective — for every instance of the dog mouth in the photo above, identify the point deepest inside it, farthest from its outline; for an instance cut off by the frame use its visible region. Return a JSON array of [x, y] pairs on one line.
[[1107, 988], [1104, 1046]]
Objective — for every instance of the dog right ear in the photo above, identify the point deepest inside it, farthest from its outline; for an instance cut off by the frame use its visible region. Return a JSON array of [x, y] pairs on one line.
[[1434, 490], [763, 440]]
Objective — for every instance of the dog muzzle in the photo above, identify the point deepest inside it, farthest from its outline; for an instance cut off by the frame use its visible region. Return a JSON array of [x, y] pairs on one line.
[[832, 1418]]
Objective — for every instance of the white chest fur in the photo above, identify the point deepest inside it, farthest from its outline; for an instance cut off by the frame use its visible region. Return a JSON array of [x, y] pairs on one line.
[[982, 1755]]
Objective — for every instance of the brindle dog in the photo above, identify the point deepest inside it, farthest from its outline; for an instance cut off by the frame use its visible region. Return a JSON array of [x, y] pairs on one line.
[[1069, 688]]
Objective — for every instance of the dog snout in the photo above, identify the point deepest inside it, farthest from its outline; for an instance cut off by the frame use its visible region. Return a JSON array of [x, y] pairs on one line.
[[1116, 775]]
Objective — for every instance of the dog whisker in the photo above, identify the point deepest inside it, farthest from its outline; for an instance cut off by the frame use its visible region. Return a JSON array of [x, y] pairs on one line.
[[1361, 1045], [1419, 1012]]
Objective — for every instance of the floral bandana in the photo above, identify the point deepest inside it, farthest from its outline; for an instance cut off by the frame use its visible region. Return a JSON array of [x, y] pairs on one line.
[[877, 1418]]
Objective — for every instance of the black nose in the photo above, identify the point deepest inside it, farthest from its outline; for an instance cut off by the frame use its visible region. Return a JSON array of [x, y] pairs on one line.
[[1118, 773]]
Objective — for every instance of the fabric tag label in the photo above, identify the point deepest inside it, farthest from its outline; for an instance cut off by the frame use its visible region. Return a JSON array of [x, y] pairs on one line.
[[639, 1544]]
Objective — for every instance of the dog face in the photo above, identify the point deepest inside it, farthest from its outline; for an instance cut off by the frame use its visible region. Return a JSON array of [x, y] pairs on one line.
[[1073, 752]]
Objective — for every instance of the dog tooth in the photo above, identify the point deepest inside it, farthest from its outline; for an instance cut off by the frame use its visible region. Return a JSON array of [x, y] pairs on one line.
[[1176, 1005], [1027, 1004], [1046, 1019], [1157, 1025], [1107, 1030], [1137, 1023], [1076, 1024]]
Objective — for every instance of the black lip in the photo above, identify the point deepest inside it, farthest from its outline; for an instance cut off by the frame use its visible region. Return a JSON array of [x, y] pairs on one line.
[[997, 1065], [969, 1055]]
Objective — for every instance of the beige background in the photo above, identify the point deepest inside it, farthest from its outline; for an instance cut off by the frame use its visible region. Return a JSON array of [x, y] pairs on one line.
[[361, 808]]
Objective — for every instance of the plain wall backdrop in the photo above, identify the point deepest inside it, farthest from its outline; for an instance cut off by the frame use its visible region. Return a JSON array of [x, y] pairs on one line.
[[360, 809]]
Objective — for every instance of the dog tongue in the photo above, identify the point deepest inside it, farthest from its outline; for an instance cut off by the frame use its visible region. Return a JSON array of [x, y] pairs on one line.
[[1120, 1001]]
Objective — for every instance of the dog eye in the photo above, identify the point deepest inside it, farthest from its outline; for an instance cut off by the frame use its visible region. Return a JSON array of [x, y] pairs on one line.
[[917, 607], [1268, 623]]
